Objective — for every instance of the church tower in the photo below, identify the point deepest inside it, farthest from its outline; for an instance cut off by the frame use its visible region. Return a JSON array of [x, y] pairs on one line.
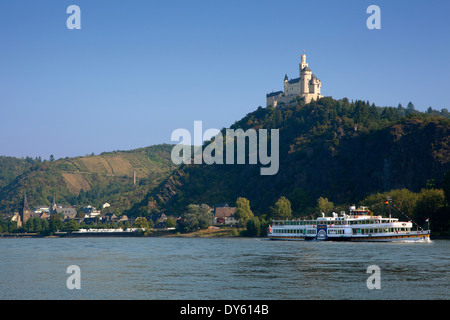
[[25, 212], [53, 207]]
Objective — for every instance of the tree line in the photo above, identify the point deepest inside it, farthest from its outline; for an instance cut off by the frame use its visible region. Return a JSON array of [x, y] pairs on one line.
[[430, 203], [56, 223]]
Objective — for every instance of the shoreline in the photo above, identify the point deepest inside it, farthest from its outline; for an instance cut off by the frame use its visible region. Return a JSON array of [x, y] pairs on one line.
[[208, 233]]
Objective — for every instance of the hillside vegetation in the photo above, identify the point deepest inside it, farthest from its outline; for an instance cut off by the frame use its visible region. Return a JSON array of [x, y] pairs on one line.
[[341, 150], [344, 152], [94, 179]]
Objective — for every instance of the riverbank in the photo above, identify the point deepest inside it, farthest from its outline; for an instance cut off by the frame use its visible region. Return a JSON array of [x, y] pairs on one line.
[[207, 233]]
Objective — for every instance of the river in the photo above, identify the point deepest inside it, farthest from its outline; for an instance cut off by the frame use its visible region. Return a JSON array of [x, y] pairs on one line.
[[221, 268]]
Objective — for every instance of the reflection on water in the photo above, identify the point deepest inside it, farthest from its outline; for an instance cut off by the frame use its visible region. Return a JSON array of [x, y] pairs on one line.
[[234, 268]]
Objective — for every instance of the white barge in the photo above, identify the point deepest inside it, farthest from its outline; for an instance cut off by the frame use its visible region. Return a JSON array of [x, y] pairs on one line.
[[359, 225]]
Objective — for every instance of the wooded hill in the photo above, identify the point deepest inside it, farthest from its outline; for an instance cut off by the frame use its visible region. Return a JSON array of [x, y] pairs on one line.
[[89, 180], [344, 151], [341, 150]]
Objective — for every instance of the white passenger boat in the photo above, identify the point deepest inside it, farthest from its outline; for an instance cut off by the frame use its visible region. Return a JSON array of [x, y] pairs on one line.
[[359, 225]]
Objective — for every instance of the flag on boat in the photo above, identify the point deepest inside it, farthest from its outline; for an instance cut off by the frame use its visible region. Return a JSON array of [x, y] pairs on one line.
[[386, 202], [270, 228], [428, 220]]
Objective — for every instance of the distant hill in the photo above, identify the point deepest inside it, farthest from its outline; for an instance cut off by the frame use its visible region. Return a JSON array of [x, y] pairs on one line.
[[94, 180], [337, 149]]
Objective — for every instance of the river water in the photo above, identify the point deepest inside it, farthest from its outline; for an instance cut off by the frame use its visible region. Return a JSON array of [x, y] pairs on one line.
[[221, 268]]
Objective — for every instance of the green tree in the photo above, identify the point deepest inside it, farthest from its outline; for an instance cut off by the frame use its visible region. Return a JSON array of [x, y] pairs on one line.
[[410, 108], [71, 225], [197, 217], [45, 226], [55, 223], [171, 223], [263, 227], [141, 222], [253, 227], [143, 211], [29, 225], [324, 205], [282, 209], [404, 199], [33, 224], [243, 212], [12, 226], [301, 201], [446, 187], [38, 224], [429, 202]]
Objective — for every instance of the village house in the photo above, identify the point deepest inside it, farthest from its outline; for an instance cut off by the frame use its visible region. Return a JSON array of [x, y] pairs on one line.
[[224, 214], [91, 212]]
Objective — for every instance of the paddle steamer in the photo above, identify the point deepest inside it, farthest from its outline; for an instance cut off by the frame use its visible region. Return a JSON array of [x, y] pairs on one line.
[[359, 225]]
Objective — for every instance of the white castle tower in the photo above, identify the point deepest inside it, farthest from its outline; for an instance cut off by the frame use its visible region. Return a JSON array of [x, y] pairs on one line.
[[306, 87]]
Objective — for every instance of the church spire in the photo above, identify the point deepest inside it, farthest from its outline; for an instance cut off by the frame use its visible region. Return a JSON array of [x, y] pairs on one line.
[[25, 214], [53, 207], [25, 206]]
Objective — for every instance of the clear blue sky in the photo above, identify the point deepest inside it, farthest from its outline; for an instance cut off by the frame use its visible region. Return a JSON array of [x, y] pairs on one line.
[[137, 70]]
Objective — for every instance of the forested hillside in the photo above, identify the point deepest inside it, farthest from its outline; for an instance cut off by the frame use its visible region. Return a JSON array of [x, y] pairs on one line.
[[341, 150], [93, 180], [346, 152]]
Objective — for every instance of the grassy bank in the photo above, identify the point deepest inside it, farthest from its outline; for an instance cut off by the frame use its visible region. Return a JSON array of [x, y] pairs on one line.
[[207, 233]]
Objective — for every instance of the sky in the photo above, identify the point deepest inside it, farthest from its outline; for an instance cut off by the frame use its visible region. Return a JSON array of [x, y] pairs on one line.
[[138, 70]]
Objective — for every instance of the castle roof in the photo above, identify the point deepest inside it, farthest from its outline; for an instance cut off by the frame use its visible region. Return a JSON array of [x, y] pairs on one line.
[[273, 94], [313, 77], [305, 69], [294, 80]]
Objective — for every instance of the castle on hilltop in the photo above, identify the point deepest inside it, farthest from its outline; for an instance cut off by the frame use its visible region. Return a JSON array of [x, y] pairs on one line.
[[306, 87]]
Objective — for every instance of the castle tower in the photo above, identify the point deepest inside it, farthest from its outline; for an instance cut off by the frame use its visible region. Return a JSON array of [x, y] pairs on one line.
[[305, 78], [286, 81], [302, 64]]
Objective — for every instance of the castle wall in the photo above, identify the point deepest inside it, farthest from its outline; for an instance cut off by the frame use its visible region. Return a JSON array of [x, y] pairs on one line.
[[273, 101], [277, 101], [292, 88]]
